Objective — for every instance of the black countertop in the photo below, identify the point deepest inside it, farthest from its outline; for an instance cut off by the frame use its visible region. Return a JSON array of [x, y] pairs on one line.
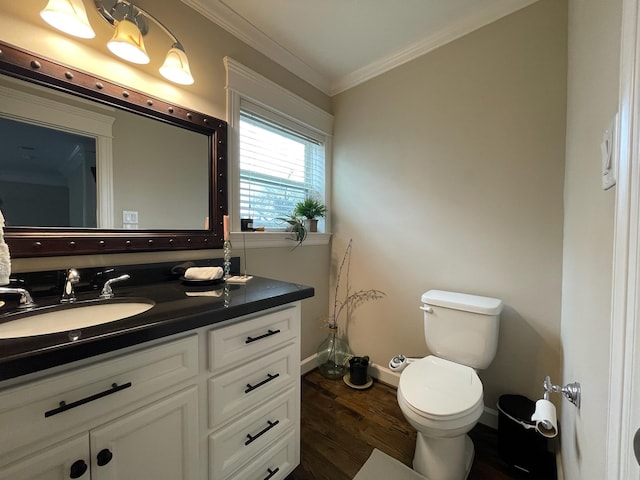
[[174, 312]]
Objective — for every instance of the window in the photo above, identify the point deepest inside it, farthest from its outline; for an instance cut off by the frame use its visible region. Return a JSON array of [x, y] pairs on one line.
[[279, 150], [279, 166]]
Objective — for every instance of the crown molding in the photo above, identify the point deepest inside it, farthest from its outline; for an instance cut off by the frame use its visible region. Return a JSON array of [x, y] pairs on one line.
[[228, 19], [237, 26], [481, 18]]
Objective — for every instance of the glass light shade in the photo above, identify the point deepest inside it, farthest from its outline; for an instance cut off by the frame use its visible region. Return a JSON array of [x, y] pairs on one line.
[[127, 43], [176, 66], [68, 16]]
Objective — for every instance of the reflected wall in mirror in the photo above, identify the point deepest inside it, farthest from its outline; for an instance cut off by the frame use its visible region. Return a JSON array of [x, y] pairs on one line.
[[158, 176]]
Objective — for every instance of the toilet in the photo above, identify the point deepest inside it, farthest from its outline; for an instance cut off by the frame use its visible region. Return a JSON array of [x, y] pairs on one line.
[[441, 395]]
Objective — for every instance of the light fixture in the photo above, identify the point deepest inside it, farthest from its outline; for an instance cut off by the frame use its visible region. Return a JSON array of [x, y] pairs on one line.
[[131, 24], [176, 66], [68, 16], [127, 42]]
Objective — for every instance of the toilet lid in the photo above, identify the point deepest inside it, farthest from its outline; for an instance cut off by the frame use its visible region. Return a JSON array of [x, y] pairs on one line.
[[440, 387]]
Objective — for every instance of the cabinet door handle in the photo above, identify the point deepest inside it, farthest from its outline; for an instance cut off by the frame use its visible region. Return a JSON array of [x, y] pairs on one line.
[[104, 456], [251, 388], [64, 406], [78, 469], [271, 472], [268, 334], [269, 426]]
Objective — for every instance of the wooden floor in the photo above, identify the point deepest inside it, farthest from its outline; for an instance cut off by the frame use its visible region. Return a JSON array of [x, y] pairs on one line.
[[341, 427]]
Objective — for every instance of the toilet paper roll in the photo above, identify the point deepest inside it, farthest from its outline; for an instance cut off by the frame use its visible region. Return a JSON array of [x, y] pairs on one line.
[[545, 418]]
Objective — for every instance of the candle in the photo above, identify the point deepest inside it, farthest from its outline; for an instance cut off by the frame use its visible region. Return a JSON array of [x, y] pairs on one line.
[[225, 221]]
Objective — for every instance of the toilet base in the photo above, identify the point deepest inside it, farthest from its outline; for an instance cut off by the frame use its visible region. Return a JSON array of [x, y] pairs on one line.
[[443, 458]]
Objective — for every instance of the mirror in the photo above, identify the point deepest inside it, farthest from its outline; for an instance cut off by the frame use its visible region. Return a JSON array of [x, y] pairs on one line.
[[158, 176]]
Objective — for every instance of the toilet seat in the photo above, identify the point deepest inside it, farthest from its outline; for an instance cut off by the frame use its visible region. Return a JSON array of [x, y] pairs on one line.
[[438, 389]]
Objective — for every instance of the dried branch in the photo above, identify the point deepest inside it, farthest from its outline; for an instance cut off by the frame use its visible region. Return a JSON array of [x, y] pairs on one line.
[[351, 300]]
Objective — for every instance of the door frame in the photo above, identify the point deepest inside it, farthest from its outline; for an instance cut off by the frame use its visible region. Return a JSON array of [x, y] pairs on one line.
[[624, 366]]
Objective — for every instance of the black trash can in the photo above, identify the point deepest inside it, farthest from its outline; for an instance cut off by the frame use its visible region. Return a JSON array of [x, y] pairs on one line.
[[519, 445]]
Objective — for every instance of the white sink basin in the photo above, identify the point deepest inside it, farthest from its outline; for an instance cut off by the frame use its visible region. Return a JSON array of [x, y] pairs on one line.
[[74, 316]]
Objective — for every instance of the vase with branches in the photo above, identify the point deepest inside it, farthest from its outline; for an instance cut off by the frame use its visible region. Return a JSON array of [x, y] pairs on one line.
[[333, 353]]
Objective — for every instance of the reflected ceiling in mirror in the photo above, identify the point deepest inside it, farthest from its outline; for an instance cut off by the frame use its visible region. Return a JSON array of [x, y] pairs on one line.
[[157, 185]]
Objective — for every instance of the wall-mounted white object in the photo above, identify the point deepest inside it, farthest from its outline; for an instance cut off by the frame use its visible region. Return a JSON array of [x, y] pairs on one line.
[[546, 418], [608, 148]]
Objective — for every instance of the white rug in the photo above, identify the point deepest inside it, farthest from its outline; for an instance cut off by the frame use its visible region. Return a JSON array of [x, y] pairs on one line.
[[381, 466]]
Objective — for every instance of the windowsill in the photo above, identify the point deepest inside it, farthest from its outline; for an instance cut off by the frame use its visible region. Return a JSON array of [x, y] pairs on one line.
[[275, 239]]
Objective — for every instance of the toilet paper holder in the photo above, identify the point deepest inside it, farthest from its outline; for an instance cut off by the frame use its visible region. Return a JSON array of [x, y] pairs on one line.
[[571, 391]]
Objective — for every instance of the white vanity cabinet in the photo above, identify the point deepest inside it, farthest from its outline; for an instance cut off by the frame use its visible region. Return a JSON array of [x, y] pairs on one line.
[[122, 418], [221, 402], [254, 397]]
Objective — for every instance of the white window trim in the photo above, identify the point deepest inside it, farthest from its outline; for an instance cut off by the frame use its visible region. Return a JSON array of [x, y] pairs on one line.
[[244, 83]]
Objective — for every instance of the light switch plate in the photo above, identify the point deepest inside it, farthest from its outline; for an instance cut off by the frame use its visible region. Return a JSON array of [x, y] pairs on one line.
[[129, 216]]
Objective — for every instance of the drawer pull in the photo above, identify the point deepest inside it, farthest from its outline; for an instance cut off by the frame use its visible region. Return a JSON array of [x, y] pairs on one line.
[[251, 388], [271, 472], [268, 334], [104, 457], [270, 425], [78, 469], [64, 406]]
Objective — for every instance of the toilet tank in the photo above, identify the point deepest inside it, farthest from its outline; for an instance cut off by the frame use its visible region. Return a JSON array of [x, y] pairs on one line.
[[462, 328]]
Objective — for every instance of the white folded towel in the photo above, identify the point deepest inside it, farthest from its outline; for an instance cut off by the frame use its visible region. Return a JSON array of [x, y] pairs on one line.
[[203, 273], [208, 293]]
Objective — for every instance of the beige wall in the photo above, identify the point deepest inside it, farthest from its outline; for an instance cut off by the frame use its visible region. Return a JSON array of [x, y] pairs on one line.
[[448, 174], [206, 44], [594, 37]]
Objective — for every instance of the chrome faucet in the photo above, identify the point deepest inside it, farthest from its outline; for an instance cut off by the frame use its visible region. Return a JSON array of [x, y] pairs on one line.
[[107, 291], [68, 294], [25, 297]]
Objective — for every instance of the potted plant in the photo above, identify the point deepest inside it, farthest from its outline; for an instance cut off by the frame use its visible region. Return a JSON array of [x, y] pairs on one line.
[[311, 209], [296, 226]]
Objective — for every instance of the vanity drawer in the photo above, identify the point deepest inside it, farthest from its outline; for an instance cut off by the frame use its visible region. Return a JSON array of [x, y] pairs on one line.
[[274, 464], [35, 411], [249, 385], [237, 443], [244, 341]]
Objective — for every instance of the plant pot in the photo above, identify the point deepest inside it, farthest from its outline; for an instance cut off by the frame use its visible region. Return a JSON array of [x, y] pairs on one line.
[[358, 368], [332, 356], [311, 224]]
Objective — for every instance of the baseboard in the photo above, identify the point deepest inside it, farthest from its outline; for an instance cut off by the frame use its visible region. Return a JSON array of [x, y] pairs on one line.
[[308, 364], [489, 418], [384, 375]]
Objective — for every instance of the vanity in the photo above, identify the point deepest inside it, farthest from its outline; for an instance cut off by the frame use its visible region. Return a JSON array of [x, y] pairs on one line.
[[203, 385]]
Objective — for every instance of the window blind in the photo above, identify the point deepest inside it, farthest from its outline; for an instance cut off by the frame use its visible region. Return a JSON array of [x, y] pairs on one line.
[[279, 166]]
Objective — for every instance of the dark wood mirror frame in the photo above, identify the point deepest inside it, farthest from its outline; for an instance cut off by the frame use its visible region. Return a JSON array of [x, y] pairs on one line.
[[37, 241]]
